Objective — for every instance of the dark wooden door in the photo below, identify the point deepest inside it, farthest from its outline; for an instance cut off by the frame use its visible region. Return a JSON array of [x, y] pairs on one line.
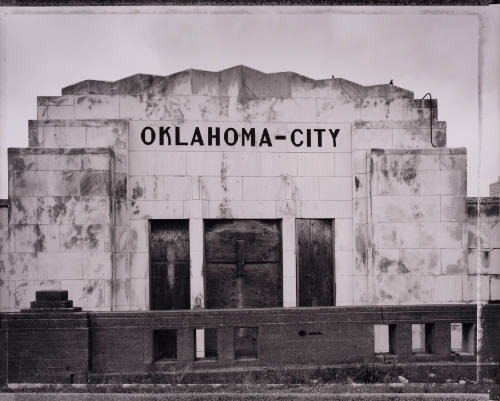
[[315, 262], [243, 264], [169, 264]]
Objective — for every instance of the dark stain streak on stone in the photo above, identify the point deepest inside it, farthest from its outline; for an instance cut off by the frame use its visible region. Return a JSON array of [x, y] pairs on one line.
[[384, 265], [92, 237], [137, 192], [402, 269], [121, 188], [18, 163], [356, 182], [40, 240], [409, 174]]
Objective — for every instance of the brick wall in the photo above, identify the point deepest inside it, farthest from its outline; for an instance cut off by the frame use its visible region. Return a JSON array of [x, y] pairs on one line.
[[60, 221]]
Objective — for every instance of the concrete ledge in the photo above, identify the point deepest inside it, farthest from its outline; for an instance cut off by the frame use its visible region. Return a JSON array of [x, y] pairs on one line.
[[58, 151], [103, 122], [435, 151]]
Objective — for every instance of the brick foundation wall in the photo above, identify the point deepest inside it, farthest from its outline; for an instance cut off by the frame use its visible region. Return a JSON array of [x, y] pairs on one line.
[[65, 347]]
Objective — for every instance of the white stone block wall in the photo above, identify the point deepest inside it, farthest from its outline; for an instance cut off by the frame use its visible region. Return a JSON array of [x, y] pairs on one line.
[[483, 225], [283, 182], [60, 219], [418, 221]]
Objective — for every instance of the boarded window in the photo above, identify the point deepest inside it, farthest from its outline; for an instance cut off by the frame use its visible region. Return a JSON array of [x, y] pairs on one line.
[[169, 264], [243, 264], [315, 262]]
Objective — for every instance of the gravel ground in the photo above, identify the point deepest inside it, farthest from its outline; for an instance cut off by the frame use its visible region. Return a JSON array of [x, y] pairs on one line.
[[282, 396]]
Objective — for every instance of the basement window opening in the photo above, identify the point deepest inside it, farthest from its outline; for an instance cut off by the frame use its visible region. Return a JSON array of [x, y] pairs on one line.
[[384, 338], [421, 338], [245, 343], [205, 344], [164, 344], [463, 338]]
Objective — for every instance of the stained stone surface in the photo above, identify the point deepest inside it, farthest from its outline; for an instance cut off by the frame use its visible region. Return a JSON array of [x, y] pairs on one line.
[[417, 204], [60, 213], [79, 214]]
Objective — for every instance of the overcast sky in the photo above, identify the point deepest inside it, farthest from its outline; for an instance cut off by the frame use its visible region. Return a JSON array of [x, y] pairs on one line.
[[420, 51]]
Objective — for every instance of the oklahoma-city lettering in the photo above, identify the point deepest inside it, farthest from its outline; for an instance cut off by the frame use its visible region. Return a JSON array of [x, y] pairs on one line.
[[215, 136]]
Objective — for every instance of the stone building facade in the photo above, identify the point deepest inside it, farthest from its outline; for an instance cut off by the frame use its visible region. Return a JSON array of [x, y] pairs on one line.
[[305, 186]]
